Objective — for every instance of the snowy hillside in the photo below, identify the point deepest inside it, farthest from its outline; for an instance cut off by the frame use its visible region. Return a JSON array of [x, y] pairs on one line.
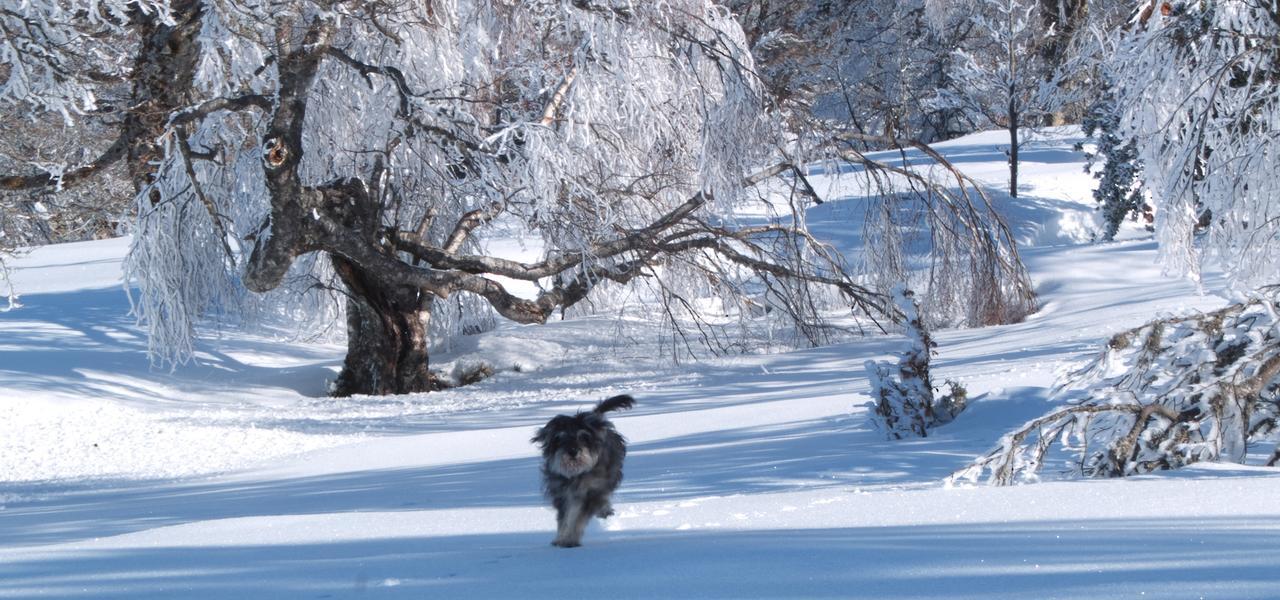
[[749, 476]]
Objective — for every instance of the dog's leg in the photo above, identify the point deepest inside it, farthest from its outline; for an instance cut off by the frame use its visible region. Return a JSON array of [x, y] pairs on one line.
[[568, 532], [558, 502], [577, 525], [593, 505], [602, 507]]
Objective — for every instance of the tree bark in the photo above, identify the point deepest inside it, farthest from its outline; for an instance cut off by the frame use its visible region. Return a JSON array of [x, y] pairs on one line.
[[386, 337], [1013, 146], [164, 77]]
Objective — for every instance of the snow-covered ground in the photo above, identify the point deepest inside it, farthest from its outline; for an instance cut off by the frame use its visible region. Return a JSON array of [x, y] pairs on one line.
[[750, 476]]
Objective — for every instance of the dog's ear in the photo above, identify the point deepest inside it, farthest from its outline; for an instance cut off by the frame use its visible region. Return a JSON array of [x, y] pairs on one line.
[[542, 436]]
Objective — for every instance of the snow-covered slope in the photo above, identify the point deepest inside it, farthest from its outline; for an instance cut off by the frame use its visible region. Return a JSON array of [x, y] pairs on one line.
[[752, 476]]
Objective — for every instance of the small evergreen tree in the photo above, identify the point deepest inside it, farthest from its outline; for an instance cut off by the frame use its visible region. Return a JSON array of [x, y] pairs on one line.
[[1119, 194], [904, 402]]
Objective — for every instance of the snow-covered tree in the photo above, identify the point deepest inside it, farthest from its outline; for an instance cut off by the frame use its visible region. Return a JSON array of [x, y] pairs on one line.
[[902, 393], [1119, 194], [998, 75], [371, 148]]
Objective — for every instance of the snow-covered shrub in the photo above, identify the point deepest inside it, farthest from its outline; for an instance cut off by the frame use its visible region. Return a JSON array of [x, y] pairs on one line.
[[902, 392], [1170, 393]]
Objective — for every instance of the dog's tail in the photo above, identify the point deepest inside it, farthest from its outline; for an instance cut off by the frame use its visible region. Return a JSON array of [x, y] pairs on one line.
[[615, 403]]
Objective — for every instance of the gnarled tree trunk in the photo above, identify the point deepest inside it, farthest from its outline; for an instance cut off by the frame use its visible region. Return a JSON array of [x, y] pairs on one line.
[[386, 337]]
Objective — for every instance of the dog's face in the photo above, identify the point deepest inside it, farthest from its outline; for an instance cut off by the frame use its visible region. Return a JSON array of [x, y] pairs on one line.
[[571, 445]]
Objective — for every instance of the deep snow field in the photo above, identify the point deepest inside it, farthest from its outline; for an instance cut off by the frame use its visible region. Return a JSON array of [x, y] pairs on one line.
[[747, 476]]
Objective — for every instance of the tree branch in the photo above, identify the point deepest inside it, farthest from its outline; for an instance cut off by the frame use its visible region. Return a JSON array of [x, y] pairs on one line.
[[71, 176], [557, 99], [195, 113], [468, 223]]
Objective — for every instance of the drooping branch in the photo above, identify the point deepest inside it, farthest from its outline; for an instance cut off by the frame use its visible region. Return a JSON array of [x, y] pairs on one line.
[[964, 182], [780, 168], [976, 276], [186, 153]]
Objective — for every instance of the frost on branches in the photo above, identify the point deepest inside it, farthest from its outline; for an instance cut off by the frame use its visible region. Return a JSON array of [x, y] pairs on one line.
[[999, 78], [293, 153], [1170, 393], [974, 275], [903, 393], [1200, 86], [53, 54]]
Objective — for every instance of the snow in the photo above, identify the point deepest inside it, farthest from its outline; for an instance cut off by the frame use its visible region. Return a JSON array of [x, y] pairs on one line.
[[747, 476]]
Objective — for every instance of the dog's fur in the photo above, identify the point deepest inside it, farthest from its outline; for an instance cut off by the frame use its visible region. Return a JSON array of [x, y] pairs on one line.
[[581, 467]]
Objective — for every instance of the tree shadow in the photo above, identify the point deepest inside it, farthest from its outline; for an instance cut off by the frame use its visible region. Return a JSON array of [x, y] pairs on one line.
[[84, 343], [1213, 557], [813, 454]]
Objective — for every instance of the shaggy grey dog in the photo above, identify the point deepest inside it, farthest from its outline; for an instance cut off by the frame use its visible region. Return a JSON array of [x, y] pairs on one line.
[[581, 467]]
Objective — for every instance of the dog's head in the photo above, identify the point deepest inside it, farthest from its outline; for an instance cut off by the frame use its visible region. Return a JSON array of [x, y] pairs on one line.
[[571, 445]]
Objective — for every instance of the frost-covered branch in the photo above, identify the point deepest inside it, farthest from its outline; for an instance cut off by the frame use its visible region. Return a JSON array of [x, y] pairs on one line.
[[1199, 87], [55, 54], [1170, 393], [68, 176]]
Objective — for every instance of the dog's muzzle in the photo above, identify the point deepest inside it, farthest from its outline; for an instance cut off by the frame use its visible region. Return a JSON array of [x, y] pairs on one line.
[[572, 465]]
